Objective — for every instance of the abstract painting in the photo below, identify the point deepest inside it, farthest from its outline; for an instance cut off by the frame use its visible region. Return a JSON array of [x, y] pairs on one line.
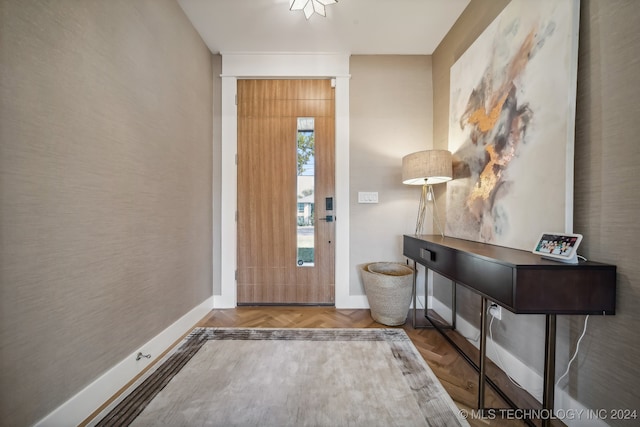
[[511, 126]]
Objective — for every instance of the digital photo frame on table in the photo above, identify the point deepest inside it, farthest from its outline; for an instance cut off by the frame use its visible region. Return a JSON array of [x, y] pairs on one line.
[[561, 247]]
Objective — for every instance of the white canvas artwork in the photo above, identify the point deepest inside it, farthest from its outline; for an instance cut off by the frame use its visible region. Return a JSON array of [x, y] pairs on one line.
[[511, 126]]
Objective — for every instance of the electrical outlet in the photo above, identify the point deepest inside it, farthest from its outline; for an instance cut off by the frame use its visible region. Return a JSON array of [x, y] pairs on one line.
[[496, 311]]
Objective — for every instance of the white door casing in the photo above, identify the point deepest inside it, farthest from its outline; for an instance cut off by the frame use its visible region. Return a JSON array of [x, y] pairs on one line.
[[245, 65]]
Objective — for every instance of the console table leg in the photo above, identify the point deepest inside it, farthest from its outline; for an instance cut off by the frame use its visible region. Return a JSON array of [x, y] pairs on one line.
[[549, 366], [415, 291], [453, 305], [483, 353]]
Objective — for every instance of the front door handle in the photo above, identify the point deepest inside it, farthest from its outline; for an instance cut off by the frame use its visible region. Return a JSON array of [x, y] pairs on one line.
[[328, 218]]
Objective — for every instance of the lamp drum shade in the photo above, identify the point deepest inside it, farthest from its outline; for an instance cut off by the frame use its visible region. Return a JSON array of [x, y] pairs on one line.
[[427, 167]]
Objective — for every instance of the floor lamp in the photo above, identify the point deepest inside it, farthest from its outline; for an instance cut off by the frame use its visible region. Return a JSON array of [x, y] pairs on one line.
[[427, 168]]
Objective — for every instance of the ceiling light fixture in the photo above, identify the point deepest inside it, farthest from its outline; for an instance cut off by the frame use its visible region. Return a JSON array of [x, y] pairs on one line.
[[311, 6]]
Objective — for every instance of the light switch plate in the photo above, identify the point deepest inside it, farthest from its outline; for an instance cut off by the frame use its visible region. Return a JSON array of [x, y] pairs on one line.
[[367, 197]]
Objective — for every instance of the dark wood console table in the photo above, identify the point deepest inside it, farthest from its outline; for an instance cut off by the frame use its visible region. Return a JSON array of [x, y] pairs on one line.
[[519, 281]]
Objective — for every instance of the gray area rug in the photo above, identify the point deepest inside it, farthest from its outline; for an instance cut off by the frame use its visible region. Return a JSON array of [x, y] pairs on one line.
[[288, 377]]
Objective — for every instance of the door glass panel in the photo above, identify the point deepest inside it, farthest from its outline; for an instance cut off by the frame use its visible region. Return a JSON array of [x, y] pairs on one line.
[[306, 192]]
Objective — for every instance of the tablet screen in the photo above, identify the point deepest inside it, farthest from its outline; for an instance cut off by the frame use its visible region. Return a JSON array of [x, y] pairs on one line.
[[557, 245]]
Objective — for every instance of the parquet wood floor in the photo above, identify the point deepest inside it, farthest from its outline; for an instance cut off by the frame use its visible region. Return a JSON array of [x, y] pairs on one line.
[[456, 375]]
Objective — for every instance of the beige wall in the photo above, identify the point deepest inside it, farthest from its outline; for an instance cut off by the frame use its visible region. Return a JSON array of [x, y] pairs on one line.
[[106, 197], [606, 197], [606, 205], [390, 115], [105, 189]]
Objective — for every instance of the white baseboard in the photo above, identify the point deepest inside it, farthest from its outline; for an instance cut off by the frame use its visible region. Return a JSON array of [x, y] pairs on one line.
[[361, 302], [576, 414], [521, 373], [342, 302], [220, 301], [569, 411], [85, 402], [351, 301]]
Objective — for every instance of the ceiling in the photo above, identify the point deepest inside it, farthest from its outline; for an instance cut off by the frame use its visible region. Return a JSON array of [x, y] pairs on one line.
[[364, 27]]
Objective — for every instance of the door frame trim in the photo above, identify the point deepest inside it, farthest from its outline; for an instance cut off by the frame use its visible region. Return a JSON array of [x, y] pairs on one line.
[[247, 65]]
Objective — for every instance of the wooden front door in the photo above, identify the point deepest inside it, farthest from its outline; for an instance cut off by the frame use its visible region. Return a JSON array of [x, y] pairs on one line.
[[285, 192]]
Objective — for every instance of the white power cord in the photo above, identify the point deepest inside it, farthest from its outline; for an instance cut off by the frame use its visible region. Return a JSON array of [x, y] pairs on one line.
[[584, 331], [575, 353], [500, 362], [463, 336]]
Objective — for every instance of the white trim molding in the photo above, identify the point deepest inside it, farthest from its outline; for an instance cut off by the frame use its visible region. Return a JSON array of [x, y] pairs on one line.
[[228, 199], [84, 403], [283, 65]]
